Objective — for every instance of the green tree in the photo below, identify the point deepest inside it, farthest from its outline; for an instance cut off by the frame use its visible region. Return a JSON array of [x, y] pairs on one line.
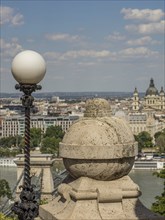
[[160, 140], [159, 205], [12, 141], [50, 145], [7, 142], [54, 131], [51, 140], [157, 134], [35, 137], [2, 217], [5, 152], [144, 140], [5, 189], [10, 146]]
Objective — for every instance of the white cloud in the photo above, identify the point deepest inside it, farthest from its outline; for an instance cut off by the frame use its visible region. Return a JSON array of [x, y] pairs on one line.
[[116, 36], [82, 57], [142, 41], [8, 15], [138, 52], [52, 57], [85, 53], [9, 49], [63, 37], [92, 57], [75, 54], [17, 19], [5, 14], [151, 28], [144, 14]]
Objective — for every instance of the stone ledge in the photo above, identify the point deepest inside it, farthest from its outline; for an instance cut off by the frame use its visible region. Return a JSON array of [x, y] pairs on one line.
[[118, 201]]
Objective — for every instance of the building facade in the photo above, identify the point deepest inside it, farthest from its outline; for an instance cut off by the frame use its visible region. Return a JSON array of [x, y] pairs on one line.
[[153, 99], [12, 126], [148, 114]]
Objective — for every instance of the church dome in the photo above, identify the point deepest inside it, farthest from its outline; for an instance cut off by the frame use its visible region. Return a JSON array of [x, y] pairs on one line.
[[152, 90]]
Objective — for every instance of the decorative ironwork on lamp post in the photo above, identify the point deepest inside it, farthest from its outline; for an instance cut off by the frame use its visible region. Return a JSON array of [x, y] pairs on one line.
[[28, 68]]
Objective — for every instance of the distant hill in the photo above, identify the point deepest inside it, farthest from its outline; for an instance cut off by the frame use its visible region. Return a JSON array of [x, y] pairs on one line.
[[74, 95]]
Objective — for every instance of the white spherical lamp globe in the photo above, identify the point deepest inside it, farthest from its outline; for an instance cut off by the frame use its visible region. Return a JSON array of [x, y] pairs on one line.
[[28, 67]]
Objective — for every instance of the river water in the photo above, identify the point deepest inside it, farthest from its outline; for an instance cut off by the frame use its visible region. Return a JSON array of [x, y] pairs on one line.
[[150, 185]]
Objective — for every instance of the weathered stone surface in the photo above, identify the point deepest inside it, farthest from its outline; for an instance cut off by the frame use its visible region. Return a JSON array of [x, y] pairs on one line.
[[97, 108], [98, 148], [99, 169], [87, 199], [102, 148]]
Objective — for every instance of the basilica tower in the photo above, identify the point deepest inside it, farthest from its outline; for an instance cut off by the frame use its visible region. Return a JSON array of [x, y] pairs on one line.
[[135, 104]]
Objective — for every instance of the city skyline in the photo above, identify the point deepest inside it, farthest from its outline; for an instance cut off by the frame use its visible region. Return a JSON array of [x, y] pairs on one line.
[[87, 45]]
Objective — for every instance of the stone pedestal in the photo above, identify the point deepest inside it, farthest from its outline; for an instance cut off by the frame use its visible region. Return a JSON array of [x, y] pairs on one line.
[[38, 162], [89, 199], [98, 151]]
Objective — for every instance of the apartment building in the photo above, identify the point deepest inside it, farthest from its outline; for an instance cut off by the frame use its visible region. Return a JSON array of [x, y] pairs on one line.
[[12, 126]]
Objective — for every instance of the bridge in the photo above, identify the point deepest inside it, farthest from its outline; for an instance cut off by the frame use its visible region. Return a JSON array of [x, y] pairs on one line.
[[40, 176]]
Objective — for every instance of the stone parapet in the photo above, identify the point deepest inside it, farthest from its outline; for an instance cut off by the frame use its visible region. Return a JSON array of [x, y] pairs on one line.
[[98, 151], [89, 199]]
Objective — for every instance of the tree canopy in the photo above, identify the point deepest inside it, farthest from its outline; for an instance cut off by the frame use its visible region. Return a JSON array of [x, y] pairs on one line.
[[54, 131], [48, 142], [160, 140], [12, 141], [156, 135], [35, 137], [144, 140], [10, 146], [159, 205], [51, 140], [5, 189], [50, 145], [3, 217]]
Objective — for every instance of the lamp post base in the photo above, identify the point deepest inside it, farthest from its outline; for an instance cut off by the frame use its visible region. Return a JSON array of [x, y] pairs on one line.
[[28, 208]]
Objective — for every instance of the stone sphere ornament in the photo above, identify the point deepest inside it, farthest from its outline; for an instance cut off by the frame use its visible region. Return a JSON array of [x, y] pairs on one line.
[[28, 67], [98, 146]]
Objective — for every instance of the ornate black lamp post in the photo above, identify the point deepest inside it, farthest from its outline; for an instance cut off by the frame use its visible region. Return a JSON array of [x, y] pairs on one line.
[[28, 68]]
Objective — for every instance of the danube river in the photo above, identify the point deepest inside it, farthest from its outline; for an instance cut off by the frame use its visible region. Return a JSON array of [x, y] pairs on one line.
[[150, 185]]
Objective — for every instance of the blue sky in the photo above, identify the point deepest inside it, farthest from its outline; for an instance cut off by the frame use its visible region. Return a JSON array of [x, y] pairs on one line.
[[87, 45]]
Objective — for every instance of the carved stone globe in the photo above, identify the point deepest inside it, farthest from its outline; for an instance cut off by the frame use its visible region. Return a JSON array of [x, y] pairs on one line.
[[98, 146]]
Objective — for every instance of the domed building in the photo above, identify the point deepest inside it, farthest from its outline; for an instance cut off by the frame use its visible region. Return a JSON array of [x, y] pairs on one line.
[[154, 99], [148, 114], [151, 89]]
